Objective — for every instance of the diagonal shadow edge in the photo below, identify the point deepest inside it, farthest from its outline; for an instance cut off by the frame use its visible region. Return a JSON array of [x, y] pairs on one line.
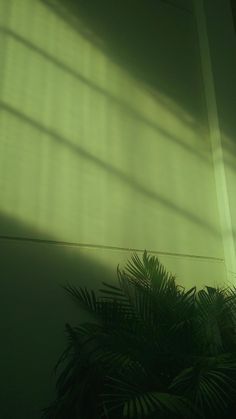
[[119, 102], [154, 196]]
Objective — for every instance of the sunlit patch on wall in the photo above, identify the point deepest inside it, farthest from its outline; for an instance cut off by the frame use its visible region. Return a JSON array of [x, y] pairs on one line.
[[93, 155]]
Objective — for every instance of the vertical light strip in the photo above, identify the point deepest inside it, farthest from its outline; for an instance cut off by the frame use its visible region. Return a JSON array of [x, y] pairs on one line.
[[216, 141]]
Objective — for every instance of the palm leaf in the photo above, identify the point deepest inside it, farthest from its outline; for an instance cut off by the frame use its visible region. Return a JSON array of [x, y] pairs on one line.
[[136, 403], [154, 349], [208, 384], [83, 297]]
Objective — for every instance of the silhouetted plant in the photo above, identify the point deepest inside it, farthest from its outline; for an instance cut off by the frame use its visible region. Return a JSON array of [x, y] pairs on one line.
[[155, 350]]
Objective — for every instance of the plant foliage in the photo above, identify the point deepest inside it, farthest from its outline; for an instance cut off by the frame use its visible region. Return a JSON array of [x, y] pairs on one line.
[[154, 351]]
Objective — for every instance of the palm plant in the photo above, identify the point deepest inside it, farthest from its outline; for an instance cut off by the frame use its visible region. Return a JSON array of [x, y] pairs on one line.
[[153, 350]]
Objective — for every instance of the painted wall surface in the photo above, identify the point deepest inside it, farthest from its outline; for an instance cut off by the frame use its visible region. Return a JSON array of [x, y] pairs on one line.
[[225, 82], [219, 67], [104, 148]]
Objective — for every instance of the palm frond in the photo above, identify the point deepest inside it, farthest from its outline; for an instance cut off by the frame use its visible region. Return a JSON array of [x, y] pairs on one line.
[[83, 297], [153, 349], [208, 383], [133, 402], [149, 272]]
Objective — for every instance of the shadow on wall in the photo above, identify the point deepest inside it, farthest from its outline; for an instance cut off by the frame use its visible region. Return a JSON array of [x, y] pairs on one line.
[[123, 169], [223, 53], [137, 36], [34, 310], [113, 171], [129, 110], [157, 52], [132, 34]]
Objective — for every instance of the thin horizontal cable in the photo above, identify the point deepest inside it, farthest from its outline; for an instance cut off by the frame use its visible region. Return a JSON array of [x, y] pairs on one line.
[[101, 246]]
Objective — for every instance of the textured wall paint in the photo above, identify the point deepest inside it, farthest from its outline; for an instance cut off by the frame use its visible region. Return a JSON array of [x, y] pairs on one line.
[[97, 154], [90, 154], [218, 50]]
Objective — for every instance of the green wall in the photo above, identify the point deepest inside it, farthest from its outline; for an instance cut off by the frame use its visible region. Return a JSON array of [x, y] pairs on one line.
[[104, 148], [218, 53], [224, 73]]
